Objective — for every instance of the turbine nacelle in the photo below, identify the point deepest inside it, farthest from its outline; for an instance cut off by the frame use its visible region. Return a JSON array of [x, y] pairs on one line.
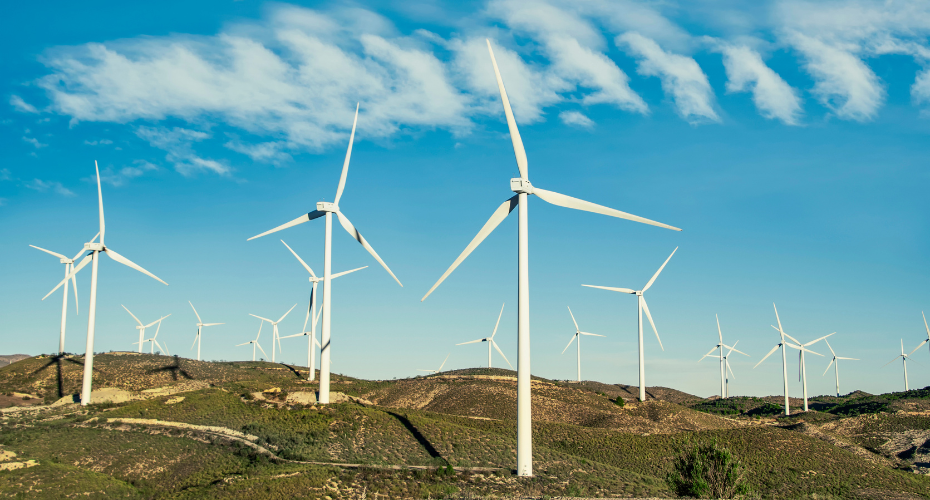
[[66, 261], [94, 247], [520, 185], [327, 206]]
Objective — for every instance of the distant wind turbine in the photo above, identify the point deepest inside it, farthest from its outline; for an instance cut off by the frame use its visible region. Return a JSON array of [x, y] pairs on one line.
[[724, 364], [784, 360], [255, 342], [904, 358], [726, 361], [154, 340], [640, 307], [921, 313], [440, 366], [69, 265], [523, 188], [577, 335], [95, 249], [200, 325], [274, 324], [327, 209], [142, 327], [837, 367], [802, 368], [490, 341]]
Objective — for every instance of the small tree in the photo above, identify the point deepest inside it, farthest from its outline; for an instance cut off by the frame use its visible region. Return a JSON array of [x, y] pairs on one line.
[[619, 402], [707, 470]]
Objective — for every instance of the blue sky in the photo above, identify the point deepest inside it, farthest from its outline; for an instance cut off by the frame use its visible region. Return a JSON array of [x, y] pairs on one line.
[[789, 141]]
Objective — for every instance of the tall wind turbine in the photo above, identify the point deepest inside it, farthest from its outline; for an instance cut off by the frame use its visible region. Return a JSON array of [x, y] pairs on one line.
[[577, 335], [142, 327], [784, 360], [726, 361], [904, 358], [522, 187], [640, 307], [837, 367], [200, 325], [69, 265], [327, 209], [802, 368], [311, 311], [724, 364], [154, 340], [95, 249], [274, 324], [255, 342], [490, 341], [440, 366]]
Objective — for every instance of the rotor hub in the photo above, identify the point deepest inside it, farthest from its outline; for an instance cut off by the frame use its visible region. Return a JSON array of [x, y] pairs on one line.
[[327, 206], [520, 185]]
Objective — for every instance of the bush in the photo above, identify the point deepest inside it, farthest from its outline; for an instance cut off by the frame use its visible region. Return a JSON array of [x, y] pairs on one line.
[[707, 471], [619, 402]]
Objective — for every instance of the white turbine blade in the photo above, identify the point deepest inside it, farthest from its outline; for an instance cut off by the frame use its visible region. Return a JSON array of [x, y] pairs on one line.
[[237, 345], [345, 166], [260, 349], [126, 262], [260, 325], [498, 320], [195, 341], [300, 220], [727, 362], [263, 319], [158, 345], [318, 344], [573, 319], [918, 347], [301, 260], [87, 258], [499, 351], [925, 324], [472, 342], [719, 332], [518, 150], [893, 360], [333, 276], [656, 275], [301, 334], [851, 359], [646, 310], [212, 324], [134, 316], [569, 343], [570, 202], [82, 248], [103, 226], [613, 289], [443, 362], [831, 347], [818, 340], [496, 218], [74, 282], [60, 256], [195, 311], [733, 349], [150, 324], [802, 348], [780, 329], [766, 356], [358, 237], [786, 335], [828, 367], [902, 347], [285, 314], [592, 334], [711, 351]]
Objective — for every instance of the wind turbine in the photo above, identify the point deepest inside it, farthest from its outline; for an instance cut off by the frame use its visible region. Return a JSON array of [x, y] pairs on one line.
[[95, 249], [921, 313], [904, 358], [440, 366], [577, 335], [153, 341], [274, 324], [802, 368], [255, 342], [142, 327], [726, 361], [200, 325], [837, 368], [490, 341], [327, 209], [640, 307], [69, 265], [784, 360], [311, 311], [522, 187], [724, 364]]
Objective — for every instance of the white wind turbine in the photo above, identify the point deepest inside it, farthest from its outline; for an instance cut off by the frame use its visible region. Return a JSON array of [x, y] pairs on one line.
[[440, 366], [255, 342], [904, 358], [523, 188], [726, 361], [784, 359], [837, 367], [921, 313], [724, 364], [327, 209], [95, 249], [311, 311], [274, 324], [154, 340], [640, 307], [490, 341], [802, 368], [69, 265], [200, 325], [577, 335], [142, 327]]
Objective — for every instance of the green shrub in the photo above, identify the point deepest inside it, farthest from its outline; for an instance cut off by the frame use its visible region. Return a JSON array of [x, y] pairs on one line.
[[619, 402], [706, 470]]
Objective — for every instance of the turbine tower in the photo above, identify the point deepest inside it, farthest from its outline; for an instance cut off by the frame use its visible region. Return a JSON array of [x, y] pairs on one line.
[[69, 265], [522, 187], [440, 366], [726, 361], [640, 307], [274, 325], [904, 358], [724, 364], [802, 368], [327, 209], [142, 327], [490, 341], [784, 359], [577, 335], [837, 367], [255, 342], [311, 311], [95, 249], [200, 325]]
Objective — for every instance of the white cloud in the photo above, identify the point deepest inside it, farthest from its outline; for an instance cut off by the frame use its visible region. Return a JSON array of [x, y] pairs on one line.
[[35, 142], [54, 186], [178, 143], [920, 91], [270, 152], [101, 142], [772, 95], [681, 76], [21, 105], [5, 174], [119, 177], [575, 118]]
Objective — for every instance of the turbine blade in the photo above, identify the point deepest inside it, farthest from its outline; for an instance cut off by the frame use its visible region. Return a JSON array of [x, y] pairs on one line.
[[592, 334], [237, 345], [300, 220], [496, 218], [260, 349], [727, 362], [646, 310], [87, 258], [918, 347], [82, 248], [103, 226], [74, 282], [345, 165], [802, 348], [195, 312], [261, 318], [195, 341], [569, 343], [818, 340], [60, 256], [733, 349], [150, 324], [851, 359], [766, 356], [518, 150], [831, 347], [613, 289], [828, 367], [134, 316], [318, 344], [301, 260], [656, 275], [301, 334], [498, 320], [471, 342], [893, 360], [719, 332], [925, 324], [780, 329], [126, 262], [285, 314], [711, 351], [499, 351], [573, 319], [443, 362], [358, 237], [570, 202], [212, 324], [334, 276]]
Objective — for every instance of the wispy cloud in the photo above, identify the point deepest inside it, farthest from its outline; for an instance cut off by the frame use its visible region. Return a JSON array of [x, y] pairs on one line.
[[179, 144], [22, 106], [576, 118], [746, 72], [5, 174], [35, 142], [119, 177], [44, 186], [101, 142]]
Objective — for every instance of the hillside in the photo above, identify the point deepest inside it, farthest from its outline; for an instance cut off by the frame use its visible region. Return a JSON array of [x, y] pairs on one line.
[[6, 359]]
